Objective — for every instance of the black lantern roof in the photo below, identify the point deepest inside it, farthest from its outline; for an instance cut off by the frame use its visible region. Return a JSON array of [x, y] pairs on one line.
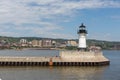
[[82, 26], [82, 29]]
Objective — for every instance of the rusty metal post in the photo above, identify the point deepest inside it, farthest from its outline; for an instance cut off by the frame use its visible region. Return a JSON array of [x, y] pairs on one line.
[[50, 62]]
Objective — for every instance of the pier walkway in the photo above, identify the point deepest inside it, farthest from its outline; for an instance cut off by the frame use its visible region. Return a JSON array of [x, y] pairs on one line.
[[66, 58], [46, 61]]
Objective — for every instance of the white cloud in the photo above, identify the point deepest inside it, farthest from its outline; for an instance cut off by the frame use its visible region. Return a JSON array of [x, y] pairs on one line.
[[102, 36], [42, 14], [115, 17]]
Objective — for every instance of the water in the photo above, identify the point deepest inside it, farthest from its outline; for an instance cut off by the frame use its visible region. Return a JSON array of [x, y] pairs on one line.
[[27, 52], [111, 72]]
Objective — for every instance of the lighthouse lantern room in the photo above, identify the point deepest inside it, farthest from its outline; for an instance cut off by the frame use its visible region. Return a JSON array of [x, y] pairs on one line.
[[82, 37]]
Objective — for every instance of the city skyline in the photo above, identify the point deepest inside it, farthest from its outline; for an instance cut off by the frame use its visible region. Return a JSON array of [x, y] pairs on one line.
[[60, 18]]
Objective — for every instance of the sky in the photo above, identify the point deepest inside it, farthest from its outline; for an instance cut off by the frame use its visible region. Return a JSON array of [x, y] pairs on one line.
[[60, 18]]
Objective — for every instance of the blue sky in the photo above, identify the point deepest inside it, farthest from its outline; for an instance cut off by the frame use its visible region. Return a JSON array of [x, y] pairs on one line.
[[60, 18]]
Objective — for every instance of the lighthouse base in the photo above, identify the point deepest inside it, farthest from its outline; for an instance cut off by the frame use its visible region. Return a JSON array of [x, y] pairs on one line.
[[81, 58]]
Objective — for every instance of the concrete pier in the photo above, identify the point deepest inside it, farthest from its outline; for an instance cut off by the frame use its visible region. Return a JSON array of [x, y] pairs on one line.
[[80, 58], [24, 61], [66, 58]]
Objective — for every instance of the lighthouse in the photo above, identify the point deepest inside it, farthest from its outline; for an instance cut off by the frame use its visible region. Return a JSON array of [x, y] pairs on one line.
[[82, 37]]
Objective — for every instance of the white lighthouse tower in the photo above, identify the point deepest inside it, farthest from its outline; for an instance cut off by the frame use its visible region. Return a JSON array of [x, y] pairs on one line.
[[82, 37]]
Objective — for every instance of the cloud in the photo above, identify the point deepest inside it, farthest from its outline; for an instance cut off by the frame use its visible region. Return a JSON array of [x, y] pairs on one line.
[[115, 17], [43, 17], [103, 36]]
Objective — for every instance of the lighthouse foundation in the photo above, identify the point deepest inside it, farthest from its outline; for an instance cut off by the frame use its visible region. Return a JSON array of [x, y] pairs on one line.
[[83, 58]]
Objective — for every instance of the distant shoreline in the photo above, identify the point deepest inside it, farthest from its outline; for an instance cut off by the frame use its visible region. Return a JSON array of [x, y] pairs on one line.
[[42, 48], [47, 49]]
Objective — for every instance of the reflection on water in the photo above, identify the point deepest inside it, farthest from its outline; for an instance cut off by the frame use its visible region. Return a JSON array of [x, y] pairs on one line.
[[82, 73], [51, 73]]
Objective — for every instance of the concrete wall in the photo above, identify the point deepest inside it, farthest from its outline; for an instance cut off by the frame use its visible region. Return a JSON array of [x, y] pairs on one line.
[[78, 56], [23, 59]]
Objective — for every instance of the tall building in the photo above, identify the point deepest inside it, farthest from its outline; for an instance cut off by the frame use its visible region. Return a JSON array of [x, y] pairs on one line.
[[82, 37], [40, 43], [47, 43], [23, 42], [37, 43]]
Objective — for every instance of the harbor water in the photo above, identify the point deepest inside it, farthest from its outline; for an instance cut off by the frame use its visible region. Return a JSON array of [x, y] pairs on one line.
[[111, 72]]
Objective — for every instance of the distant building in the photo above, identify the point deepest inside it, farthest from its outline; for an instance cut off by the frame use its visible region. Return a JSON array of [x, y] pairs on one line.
[[47, 43], [23, 42], [37, 43], [72, 43], [4, 44], [30, 44]]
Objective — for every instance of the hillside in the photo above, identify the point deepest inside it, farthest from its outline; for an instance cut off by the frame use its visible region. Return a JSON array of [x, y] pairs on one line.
[[90, 42]]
